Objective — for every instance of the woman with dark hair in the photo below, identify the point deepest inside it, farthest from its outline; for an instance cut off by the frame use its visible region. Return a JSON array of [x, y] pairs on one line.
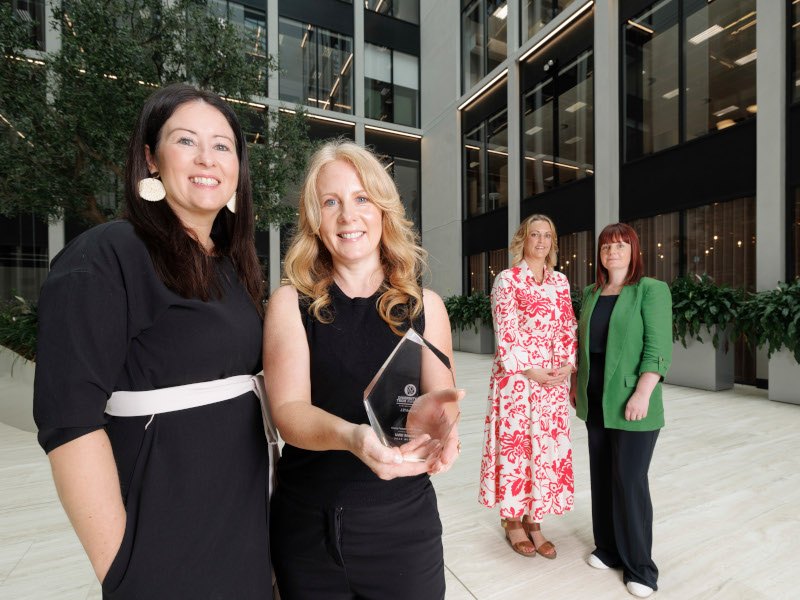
[[149, 337], [625, 341]]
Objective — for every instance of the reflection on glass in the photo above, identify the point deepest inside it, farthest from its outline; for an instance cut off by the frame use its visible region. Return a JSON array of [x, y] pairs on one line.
[[576, 258], [23, 256], [794, 23], [472, 45], [497, 160], [721, 242], [498, 260], [474, 169], [477, 274], [497, 18], [660, 241], [405, 10], [537, 129], [378, 93], [538, 13], [316, 66], [406, 175], [253, 24], [720, 64], [575, 157], [651, 95]]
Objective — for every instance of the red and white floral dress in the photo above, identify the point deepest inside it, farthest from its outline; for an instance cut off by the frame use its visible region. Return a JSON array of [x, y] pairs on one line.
[[527, 455]]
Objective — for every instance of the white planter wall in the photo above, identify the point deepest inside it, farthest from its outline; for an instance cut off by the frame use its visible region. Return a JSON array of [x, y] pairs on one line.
[[456, 339], [784, 378], [16, 390], [700, 365]]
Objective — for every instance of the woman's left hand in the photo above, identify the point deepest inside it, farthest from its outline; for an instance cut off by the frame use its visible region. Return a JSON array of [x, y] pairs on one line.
[[637, 406]]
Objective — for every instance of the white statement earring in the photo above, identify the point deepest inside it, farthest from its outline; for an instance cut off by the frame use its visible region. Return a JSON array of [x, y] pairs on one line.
[[151, 189], [232, 203]]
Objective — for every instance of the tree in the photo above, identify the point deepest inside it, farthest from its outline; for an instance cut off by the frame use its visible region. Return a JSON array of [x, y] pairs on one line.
[[68, 114]]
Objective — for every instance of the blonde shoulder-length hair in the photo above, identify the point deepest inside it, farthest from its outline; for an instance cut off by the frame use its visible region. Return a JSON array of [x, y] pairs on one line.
[[517, 247], [308, 265]]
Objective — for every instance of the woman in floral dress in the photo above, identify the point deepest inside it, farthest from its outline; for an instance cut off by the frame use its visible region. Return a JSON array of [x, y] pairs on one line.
[[527, 456]]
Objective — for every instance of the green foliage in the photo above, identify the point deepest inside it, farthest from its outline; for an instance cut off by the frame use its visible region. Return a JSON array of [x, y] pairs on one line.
[[771, 319], [18, 322], [697, 303], [76, 107], [469, 311]]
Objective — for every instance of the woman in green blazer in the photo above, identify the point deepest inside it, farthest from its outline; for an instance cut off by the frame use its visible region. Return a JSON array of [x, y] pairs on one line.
[[625, 349]]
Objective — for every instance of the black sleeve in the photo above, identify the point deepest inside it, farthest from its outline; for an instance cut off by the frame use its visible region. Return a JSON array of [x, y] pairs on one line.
[[82, 340]]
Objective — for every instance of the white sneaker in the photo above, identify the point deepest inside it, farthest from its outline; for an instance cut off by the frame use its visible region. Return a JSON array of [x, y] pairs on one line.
[[595, 562], [638, 589]]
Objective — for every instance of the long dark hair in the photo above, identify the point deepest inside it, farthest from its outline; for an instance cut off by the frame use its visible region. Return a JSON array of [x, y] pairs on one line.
[[620, 232], [179, 259]]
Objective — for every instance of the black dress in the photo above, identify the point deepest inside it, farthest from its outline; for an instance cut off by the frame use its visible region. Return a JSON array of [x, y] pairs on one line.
[[194, 481], [338, 531]]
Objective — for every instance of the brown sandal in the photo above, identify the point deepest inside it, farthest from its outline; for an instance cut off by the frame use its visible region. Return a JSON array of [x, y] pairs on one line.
[[548, 550], [525, 547]]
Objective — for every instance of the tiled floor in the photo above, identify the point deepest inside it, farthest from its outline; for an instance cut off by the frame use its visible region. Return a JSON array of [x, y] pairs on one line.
[[725, 481]]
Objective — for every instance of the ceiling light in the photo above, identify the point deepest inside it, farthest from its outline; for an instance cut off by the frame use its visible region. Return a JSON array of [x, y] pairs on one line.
[[752, 109], [670, 94], [501, 12], [572, 140], [704, 35], [644, 28], [726, 110], [575, 107], [555, 31], [534, 130], [747, 58], [725, 123]]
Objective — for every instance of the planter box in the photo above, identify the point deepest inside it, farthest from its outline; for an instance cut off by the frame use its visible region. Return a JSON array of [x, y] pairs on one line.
[[456, 339], [700, 365], [16, 390], [481, 342], [784, 378]]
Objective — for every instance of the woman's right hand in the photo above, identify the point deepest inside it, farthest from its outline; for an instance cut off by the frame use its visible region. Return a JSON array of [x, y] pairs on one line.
[[386, 463], [544, 377]]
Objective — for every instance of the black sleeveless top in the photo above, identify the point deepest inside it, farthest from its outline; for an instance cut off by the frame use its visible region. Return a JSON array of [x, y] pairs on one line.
[[344, 356]]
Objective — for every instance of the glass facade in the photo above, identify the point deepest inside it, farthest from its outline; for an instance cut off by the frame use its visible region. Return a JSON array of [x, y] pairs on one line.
[[576, 258], [406, 175], [651, 96], [483, 268], [253, 23], [391, 85], [558, 126], [660, 239], [535, 14], [486, 165], [405, 10], [23, 256], [714, 65], [316, 66], [719, 63], [483, 38]]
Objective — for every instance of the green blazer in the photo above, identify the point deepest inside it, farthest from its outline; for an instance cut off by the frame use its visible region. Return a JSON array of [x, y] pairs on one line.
[[639, 341]]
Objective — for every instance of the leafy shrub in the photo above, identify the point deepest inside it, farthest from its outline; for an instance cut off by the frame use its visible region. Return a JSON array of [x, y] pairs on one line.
[[18, 325], [697, 303]]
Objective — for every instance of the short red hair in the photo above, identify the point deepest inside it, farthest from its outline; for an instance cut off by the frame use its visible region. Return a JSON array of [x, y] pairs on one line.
[[620, 232]]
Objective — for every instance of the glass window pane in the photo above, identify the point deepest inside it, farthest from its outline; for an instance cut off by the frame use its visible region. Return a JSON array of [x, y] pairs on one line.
[[296, 57], [406, 10], [497, 18], [498, 260], [406, 176], [536, 14], [377, 82], [796, 230], [576, 258], [651, 80], [497, 160], [537, 130], [334, 61], [474, 169], [721, 242], [23, 256], [406, 89], [660, 240], [477, 274], [720, 64], [33, 13], [575, 158], [472, 45]]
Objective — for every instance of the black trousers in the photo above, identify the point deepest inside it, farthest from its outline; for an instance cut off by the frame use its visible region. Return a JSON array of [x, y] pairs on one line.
[[388, 551], [622, 513]]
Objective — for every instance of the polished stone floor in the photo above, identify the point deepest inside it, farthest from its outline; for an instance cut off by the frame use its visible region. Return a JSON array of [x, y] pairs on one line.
[[725, 481]]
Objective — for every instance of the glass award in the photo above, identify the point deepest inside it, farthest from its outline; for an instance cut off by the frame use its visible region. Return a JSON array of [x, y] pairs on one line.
[[411, 396]]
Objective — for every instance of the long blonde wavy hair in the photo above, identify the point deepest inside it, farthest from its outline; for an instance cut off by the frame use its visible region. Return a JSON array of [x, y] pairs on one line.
[[308, 265], [517, 246]]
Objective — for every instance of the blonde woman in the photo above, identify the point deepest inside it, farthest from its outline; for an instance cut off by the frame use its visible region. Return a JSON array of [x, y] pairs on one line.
[[527, 457], [350, 518]]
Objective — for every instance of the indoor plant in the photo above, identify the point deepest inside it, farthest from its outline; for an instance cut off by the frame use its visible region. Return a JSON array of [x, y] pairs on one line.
[[703, 314], [471, 319]]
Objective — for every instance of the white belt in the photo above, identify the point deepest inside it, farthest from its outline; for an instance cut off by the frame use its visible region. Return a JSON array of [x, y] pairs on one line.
[[192, 395]]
